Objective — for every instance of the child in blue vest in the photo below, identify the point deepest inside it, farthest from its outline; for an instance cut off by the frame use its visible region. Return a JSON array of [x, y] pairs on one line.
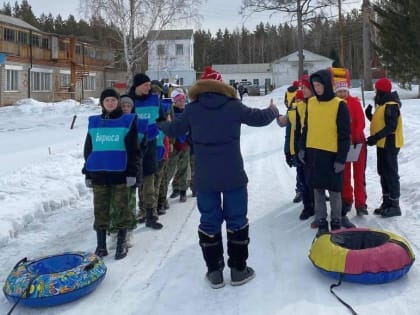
[[111, 166]]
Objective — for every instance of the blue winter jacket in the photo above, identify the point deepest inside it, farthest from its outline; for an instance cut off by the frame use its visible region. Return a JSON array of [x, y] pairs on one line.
[[214, 118]]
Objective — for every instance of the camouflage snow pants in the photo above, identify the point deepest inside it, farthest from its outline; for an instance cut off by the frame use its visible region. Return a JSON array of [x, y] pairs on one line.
[[116, 199], [147, 196], [178, 169]]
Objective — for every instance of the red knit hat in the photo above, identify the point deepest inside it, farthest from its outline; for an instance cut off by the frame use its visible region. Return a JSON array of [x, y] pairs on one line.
[[383, 85], [304, 80], [299, 95], [296, 84], [211, 74], [341, 85]]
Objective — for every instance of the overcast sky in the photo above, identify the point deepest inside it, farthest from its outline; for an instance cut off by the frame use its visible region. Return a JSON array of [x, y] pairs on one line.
[[216, 13]]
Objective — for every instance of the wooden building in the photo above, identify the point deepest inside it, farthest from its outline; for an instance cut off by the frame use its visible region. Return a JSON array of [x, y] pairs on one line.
[[49, 67]]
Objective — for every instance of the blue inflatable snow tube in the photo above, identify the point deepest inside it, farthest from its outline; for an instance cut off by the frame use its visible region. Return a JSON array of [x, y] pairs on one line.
[[55, 279]]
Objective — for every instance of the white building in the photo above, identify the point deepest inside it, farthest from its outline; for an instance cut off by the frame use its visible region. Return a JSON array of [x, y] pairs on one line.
[[171, 56], [286, 69], [258, 74]]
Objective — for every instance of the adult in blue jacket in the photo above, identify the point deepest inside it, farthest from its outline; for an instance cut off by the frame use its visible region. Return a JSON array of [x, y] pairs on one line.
[[214, 117]]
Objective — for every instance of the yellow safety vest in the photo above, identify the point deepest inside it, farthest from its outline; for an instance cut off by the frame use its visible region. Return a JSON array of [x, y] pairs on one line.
[[291, 116], [322, 124], [289, 97], [378, 123]]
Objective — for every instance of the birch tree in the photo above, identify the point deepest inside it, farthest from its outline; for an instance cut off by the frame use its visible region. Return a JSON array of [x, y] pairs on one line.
[[132, 20]]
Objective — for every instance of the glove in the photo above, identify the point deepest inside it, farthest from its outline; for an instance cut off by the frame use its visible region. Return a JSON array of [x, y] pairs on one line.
[[88, 183], [338, 167], [289, 159], [372, 140], [368, 112], [301, 156], [131, 181]]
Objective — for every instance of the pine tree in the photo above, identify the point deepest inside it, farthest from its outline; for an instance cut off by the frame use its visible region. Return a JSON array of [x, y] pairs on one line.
[[398, 26], [7, 9]]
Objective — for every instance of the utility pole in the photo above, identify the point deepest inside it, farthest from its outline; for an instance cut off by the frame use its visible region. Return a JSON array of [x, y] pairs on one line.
[[300, 37], [367, 66], [340, 23]]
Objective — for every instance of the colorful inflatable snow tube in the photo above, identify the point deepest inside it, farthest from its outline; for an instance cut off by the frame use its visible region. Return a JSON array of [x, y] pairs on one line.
[[362, 255], [54, 280]]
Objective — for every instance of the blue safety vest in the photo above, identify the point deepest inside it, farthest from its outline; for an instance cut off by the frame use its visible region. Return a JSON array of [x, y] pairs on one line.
[[149, 109], [109, 153]]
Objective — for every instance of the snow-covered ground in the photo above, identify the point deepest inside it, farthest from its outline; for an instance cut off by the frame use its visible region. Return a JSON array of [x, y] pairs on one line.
[[46, 209]]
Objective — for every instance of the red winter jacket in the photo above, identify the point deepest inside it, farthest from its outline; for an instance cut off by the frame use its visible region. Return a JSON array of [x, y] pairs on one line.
[[357, 118]]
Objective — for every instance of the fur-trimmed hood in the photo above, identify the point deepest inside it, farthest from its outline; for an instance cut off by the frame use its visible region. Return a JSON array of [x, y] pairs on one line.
[[203, 89]]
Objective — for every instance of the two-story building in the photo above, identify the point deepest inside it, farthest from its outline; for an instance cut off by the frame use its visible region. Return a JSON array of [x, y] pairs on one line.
[[48, 67], [171, 56]]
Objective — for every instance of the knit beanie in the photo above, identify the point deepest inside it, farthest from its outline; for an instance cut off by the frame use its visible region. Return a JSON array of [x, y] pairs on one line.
[[108, 93], [139, 79], [341, 85], [383, 85], [296, 84], [304, 81], [177, 95], [211, 74], [126, 99]]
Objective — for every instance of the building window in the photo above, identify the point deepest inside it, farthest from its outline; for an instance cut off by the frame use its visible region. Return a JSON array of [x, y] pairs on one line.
[[256, 82], [267, 83], [232, 82], [62, 46], [179, 49], [160, 50], [12, 80], [64, 80], [89, 83], [45, 43], [9, 34], [35, 41], [78, 50], [40, 81], [23, 38]]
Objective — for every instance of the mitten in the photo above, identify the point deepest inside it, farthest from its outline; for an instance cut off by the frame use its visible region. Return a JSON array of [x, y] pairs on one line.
[[372, 140], [88, 183], [131, 181], [289, 159], [301, 156], [338, 167]]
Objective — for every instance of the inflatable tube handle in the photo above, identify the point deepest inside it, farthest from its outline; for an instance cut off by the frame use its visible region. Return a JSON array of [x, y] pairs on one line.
[[90, 265], [22, 261]]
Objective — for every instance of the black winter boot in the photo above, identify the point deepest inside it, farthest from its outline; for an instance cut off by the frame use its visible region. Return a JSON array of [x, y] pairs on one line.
[[322, 227], [306, 213], [212, 248], [122, 248], [393, 210], [335, 224], [182, 196], [151, 220], [175, 193], [101, 250], [386, 203], [298, 197], [237, 244]]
